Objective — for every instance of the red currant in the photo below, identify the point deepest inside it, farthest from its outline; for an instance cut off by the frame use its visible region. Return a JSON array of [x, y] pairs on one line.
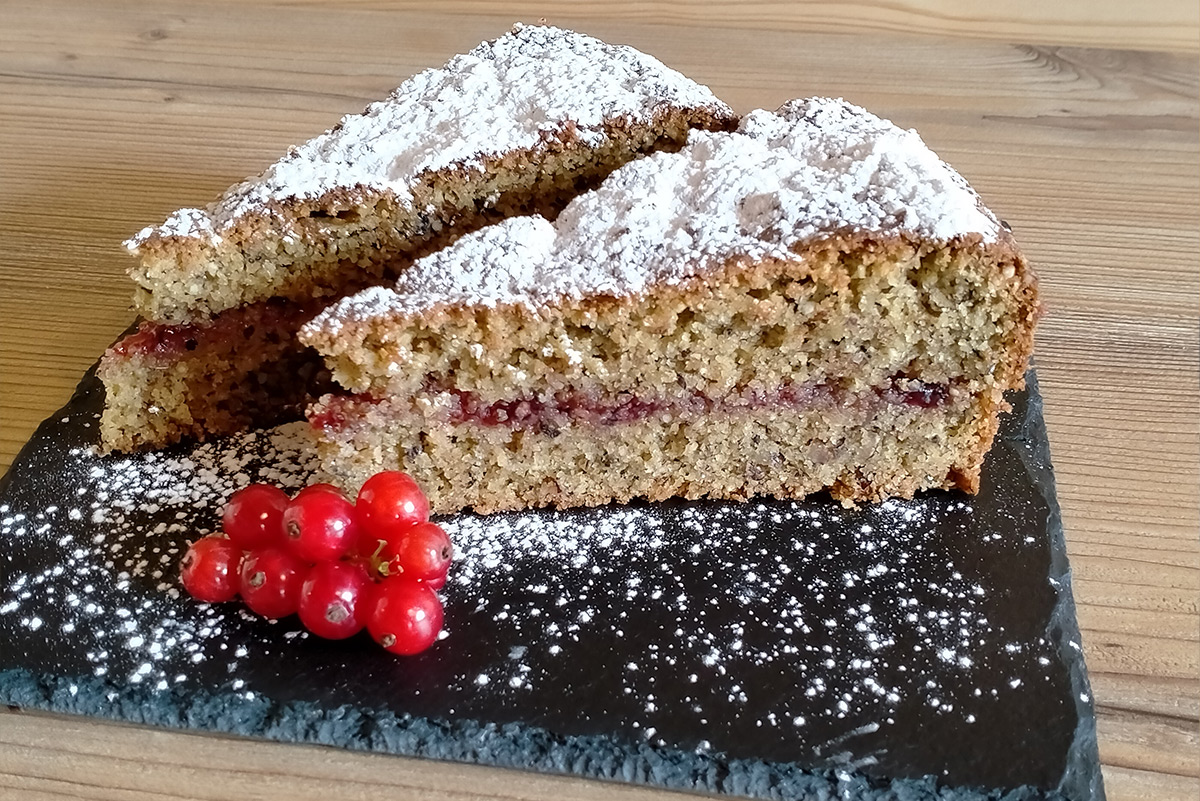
[[253, 518], [320, 525], [389, 503], [270, 581], [422, 553], [210, 570], [332, 598], [319, 488], [435, 583], [404, 616]]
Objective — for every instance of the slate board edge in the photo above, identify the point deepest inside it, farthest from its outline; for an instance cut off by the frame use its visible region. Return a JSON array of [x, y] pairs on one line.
[[508, 746], [528, 747], [1082, 778]]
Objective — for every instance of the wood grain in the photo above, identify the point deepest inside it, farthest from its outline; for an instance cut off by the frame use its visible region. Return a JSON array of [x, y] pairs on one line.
[[110, 118], [59, 757], [1157, 25]]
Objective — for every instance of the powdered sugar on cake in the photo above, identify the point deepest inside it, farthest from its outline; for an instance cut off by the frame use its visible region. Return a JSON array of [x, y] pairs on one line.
[[530, 86], [507, 261], [814, 167]]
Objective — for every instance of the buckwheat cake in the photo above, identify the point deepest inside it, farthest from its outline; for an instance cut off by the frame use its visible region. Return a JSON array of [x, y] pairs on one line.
[[812, 302], [520, 124]]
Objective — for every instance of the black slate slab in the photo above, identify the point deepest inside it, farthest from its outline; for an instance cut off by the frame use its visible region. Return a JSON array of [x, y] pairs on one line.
[[911, 650]]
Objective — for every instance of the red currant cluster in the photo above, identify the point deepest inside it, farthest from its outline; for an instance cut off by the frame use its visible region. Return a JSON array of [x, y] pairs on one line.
[[340, 566]]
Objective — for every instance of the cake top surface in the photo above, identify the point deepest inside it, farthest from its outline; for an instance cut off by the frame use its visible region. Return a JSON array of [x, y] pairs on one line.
[[815, 166], [515, 92]]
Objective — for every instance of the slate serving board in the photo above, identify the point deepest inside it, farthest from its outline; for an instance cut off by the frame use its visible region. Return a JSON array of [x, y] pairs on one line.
[[909, 650]]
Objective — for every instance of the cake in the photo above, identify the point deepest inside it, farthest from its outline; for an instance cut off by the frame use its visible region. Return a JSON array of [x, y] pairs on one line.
[[814, 301], [519, 125]]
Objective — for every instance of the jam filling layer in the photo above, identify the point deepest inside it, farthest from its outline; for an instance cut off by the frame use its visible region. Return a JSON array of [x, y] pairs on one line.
[[548, 414], [274, 319]]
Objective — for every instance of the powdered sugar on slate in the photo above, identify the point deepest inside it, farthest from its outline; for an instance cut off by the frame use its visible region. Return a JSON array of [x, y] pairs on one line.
[[844, 634], [520, 91], [813, 167], [119, 582], [862, 613]]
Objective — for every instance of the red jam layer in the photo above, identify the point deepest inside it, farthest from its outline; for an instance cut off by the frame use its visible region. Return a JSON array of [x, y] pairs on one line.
[[169, 342], [339, 412]]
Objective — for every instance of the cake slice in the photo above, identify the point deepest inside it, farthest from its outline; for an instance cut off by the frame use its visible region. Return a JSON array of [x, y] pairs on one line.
[[813, 302], [520, 124]]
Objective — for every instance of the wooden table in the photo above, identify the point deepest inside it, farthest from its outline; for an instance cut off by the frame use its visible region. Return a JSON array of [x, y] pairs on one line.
[[1077, 121]]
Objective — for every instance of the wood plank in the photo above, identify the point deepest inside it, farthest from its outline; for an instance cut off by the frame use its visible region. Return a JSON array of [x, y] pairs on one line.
[[1142, 785], [1160, 744], [1173, 698], [64, 757], [1165, 24]]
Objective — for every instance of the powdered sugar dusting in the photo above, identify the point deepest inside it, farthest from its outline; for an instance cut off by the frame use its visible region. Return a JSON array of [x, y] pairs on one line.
[[119, 582], [823, 624], [860, 172], [900, 627], [523, 90], [813, 167], [505, 261]]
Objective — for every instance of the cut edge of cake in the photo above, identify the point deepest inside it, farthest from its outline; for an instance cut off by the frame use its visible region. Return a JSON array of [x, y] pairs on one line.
[[690, 287]]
